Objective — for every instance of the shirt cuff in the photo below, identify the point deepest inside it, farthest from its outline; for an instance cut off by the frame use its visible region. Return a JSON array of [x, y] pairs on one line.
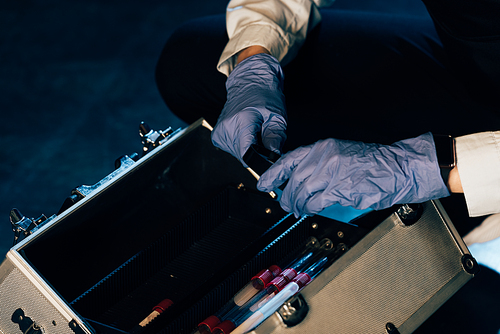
[[258, 34], [478, 163]]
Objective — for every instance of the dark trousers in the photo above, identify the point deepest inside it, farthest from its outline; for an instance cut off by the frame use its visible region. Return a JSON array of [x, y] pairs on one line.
[[361, 76], [364, 76], [376, 78]]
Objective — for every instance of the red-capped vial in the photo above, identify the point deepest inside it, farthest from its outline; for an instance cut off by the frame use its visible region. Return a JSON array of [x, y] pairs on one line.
[[224, 327], [288, 274], [265, 276], [207, 325], [278, 284], [157, 310], [275, 286], [276, 270], [258, 283], [302, 280], [163, 305]]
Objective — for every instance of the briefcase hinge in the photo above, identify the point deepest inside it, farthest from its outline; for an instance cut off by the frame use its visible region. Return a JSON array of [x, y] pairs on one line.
[[75, 327], [83, 191]]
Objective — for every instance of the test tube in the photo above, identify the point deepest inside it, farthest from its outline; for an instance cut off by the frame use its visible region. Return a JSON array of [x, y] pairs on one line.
[[256, 284], [276, 288], [157, 310], [272, 289], [253, 319], [311, 256]]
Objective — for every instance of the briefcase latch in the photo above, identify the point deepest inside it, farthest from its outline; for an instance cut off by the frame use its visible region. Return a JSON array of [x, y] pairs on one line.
[[23, 226], [26, 324], [293, 311], [151, 138]]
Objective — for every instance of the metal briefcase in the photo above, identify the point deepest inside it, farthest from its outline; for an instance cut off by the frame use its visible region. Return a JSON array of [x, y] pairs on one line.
[[185, 222], [389, 282]]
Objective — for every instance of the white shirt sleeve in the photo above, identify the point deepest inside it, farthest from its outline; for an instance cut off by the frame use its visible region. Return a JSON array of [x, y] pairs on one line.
[[478, 163], [280, 26]]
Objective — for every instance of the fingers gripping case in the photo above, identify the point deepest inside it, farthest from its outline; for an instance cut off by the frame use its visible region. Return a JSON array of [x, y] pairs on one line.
[[183, 228]]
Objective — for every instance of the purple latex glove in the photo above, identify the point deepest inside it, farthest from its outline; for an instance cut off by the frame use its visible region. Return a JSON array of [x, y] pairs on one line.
[[356, 174], [255, 103]]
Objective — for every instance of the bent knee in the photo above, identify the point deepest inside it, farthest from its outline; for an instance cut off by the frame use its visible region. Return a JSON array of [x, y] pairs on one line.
[[186, 74]]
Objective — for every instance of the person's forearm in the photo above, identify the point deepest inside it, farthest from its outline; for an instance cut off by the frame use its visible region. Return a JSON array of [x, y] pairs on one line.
[[454, 184], [250, 51], [279, 26]]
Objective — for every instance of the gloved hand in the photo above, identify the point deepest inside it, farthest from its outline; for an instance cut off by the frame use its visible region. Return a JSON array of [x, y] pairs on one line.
[[255, 103], [356, 174]]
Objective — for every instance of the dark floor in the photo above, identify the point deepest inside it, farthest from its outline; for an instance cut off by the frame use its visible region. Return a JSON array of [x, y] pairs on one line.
[[76, 79]]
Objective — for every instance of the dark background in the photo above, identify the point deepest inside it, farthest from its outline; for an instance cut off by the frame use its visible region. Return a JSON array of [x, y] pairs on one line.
[[77, 78]]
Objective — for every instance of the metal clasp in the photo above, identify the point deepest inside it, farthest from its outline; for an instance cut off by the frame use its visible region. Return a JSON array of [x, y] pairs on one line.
[[293, 311], [23, 226], [152, 139], [409, 214], [26, 324]]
